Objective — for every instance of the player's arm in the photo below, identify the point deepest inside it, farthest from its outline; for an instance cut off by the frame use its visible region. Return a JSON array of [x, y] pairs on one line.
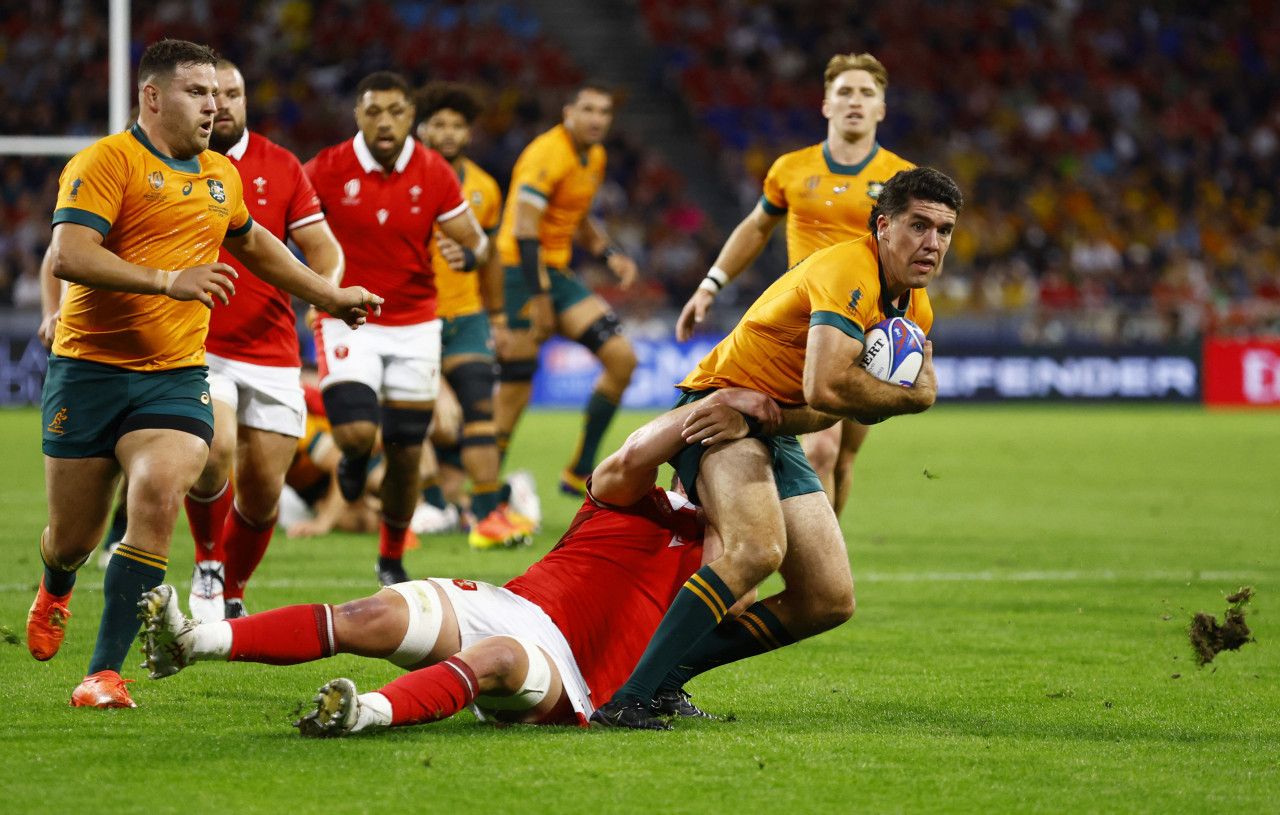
[[463, 243], [268, 258], [493, 293], [51, 292], [321, 249], [624, 477], [745, 244], [592, 235], [835, 384], [76, 254], [528, 219]]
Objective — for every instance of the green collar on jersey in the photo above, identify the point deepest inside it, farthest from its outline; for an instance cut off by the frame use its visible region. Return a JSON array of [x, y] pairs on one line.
[[848, 169], [188, 165]]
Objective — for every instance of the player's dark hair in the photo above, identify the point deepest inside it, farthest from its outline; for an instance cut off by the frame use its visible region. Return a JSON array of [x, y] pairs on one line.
[[161, 60], [916, 184], [597, 85], [384, 81], [449, 96]]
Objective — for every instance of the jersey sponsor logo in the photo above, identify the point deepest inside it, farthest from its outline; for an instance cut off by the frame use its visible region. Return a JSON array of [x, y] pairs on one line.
[[854, 297], [351, 192], [186, 188], [873, 189], [204, 398], [382, 215], [216, 192], [466, 585], [156, 180], [75, 189], [59, 419]]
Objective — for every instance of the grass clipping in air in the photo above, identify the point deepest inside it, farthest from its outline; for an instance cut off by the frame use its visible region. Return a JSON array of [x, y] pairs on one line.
[[1208, 638]]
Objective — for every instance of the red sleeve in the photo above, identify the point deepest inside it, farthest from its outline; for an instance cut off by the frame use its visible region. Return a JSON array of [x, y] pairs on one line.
[[445, 181], [304, 202]]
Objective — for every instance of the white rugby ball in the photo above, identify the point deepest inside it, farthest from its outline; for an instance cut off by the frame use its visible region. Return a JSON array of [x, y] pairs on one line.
[[892, 352]]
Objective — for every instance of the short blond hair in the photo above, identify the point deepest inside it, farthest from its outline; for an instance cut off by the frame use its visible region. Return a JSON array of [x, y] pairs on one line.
[[855, 62]]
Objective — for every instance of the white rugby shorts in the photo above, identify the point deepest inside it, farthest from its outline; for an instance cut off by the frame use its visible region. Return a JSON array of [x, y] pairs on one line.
[[266, 397], [401, 363], [484, 610]]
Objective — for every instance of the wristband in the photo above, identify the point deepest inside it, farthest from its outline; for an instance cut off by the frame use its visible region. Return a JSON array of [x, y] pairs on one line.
[[720, 276], [498, 317], [529, 264], [468, 260], [708, 284], [611, 250]]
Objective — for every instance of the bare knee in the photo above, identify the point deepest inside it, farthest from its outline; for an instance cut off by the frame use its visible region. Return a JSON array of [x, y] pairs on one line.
[[371, 626], [822, 451], [750, 563], [499, 663]]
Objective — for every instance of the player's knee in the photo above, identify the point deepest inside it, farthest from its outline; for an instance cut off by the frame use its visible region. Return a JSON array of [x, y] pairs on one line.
[[821, 452], [473, 382], [349, 402], [600, 332], [517, 371], [753, 563], [405, 427], [504, 657]]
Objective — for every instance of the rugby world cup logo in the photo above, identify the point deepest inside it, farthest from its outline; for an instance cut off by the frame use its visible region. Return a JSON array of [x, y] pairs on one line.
[[216, 192], [156, 180]]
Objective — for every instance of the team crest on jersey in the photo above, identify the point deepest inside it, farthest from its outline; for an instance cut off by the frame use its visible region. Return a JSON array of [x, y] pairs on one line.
[[59, 419], [186, 188], [156, 180], [341, 352], [476, 198], [854, 297], [260, 184], [873, 189], [216, 192], [351, 192], [75, 189], [414, 192]]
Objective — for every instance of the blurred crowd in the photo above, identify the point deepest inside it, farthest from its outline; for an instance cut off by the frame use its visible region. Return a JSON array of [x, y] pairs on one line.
[[1119, 159]]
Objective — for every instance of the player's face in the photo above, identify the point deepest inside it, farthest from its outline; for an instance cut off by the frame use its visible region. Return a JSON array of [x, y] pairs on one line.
[[186, 109], [447, 131], [913, 244], [588, 117], [384, 119], [230, 120], [854, 104]]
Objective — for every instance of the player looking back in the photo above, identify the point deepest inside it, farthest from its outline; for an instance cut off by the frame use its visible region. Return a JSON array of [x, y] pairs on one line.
[[383, 194], [798, 343], [470, 306], [552, 186], [825, 193], [140, 218], [252, 352]]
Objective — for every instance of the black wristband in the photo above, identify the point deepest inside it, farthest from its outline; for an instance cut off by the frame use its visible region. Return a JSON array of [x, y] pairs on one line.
[[529, 263], [753, 425], [468, 260], [611, 250]]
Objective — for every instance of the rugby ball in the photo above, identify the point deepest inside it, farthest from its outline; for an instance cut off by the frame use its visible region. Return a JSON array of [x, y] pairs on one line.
[[893, 352]]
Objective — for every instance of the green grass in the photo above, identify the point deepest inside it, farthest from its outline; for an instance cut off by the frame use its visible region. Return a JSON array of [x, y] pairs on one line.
[[1020, 645]]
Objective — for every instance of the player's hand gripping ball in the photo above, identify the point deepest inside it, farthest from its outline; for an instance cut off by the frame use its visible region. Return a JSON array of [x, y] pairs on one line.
[[893, 352]]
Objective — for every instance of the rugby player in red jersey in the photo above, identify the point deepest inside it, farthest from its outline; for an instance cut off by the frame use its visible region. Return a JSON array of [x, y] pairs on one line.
[[383, 194]]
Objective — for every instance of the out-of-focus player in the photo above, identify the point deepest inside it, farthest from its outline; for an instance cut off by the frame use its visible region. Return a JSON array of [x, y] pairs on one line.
[[825, 194], [383, 194], [548, 203], [140, 219], [537, 650], [252, 353], [799, 343], [474, 322]]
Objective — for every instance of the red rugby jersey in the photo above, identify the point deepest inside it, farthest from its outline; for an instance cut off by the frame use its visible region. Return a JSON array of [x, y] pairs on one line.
[[384, 221], [610, 580], [259, 325]]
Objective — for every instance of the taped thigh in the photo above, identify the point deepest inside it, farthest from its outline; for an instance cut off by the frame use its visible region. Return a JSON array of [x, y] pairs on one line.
[[425, 619]]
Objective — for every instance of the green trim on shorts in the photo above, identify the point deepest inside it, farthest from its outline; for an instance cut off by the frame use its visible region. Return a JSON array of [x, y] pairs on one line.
[[791, 470], [566, 291], [467, 334], [85, 403]]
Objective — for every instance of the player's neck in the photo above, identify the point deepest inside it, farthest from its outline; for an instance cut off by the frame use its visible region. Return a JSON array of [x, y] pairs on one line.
[[850, 152], [155, 135], [458, 163]]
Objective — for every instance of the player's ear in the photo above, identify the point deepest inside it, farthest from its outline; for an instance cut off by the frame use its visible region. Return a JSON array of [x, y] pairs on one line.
[[882, 226]]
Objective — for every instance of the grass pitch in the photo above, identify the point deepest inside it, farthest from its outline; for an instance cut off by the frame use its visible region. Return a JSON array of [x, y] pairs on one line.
[[1025, 582]]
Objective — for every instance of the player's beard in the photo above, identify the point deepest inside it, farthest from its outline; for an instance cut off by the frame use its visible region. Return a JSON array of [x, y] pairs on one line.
[[221, 144]]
